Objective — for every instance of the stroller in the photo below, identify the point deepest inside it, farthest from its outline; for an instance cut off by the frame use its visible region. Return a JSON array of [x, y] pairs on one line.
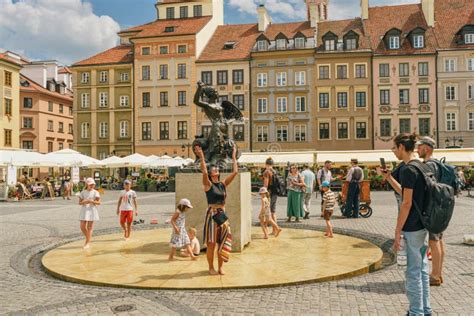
[[365, 210]]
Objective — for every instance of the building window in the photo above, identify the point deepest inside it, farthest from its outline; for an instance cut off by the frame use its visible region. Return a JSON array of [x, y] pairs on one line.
[[323, 130], [342, 99], [281, 43], [385, 127], [450, 121], [222, 77], [181, 98], [330, 44], [470, 92], [104, 76], [206, 77], [50, 147], [8, 107], [351, 43], [262, 45], [27, 144], [85, 130], [182, 130], [361, 130], [146, 131], [384, 97], [163, 72], [61, 127], [103, 99], [404, 96], [238, 76], [223, 98], [424, 95], [394, 42], [300, 133], [450, 93], [123, 129], [85, 76], [197, 10], [262, 133], [261, 80], [50, 106], [181, 71], [50, 126], [85, 100], [183, 12], [323, 72], [405, 125], [384, 70], [124, 76], [239, 101], [342, 130], [146, 51], [103, 129], [360, 71], [27, 122], [300, 42], [403, 70], [418, 41], [361, 100], [300, 104], [324, 100], [238, 132], [146, 100], [281, 79], [282, 133], [27, 103], [169, 13], [123, 100], [262, 105], [300, 78], [450, 65], [61, 108], [470, 121], [163, 98], [164, 130], [146, 72], [71, 129], [7, 137], [424, 126], [163, 50], [70, 111], [206, 130], [282, 105], [470, 64], [422, 69], [341, 72]]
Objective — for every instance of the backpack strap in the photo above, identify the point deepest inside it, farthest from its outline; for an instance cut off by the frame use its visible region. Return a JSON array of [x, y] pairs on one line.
[[426, 172]]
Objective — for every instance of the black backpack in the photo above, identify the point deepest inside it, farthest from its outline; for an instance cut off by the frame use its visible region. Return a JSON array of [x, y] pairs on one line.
[[438, 204], [278, 184]]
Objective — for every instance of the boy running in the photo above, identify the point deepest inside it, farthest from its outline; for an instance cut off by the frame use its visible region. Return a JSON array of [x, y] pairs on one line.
[[125, 208]]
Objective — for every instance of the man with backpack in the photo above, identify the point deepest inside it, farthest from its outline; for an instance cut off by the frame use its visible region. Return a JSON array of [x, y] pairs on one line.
[[354, 176]]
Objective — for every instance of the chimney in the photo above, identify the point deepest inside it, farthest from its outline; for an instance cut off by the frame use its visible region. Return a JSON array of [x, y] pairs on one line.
[[313, 14], [428, 11], [364, 8], [264, 18]]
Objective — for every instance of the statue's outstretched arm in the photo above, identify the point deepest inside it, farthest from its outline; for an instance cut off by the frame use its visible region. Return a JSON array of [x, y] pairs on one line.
[[197, 97]]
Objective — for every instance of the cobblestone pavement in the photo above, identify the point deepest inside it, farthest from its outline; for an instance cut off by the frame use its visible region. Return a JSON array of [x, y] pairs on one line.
[[29, 228]]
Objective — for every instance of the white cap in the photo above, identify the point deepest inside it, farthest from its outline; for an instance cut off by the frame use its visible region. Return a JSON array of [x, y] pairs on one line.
[[186, 203], [263, 190], [90, 181]]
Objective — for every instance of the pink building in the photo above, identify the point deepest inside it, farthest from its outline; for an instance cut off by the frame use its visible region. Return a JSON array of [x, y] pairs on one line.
[[404, 71]]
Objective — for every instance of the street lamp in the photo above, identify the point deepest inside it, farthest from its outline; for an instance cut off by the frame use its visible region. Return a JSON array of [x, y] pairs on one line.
[[453, 140]]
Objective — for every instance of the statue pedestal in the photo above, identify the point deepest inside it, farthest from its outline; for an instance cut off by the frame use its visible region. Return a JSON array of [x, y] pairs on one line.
[[238, 206]]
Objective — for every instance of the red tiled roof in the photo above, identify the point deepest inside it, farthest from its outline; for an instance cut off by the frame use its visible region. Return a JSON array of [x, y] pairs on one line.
[[403, 17], [157, 28], [244, 36], [341, 28], [117, 55], [36, 87], [64, 70], [5, 57], [288, 29], [450, 17]]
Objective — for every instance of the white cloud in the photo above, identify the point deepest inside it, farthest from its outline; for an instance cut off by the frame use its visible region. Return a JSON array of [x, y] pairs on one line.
[[66, 30], [284, 9]]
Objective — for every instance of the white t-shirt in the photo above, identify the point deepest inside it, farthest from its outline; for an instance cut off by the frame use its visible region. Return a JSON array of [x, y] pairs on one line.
[[89, 195], [127, 198], [195, 246]]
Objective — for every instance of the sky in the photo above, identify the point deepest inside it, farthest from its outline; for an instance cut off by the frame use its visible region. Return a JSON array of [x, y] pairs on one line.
[[72, 30]]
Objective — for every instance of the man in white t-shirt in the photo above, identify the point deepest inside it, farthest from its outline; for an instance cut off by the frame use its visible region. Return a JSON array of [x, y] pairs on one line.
[[309, 179], [324, 174], [125, 208]]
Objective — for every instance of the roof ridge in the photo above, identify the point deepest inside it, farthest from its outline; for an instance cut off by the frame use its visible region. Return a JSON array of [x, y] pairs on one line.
[[102, 52]]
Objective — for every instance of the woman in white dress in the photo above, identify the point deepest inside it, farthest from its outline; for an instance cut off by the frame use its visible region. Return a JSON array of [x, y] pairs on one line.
[[89, 199]]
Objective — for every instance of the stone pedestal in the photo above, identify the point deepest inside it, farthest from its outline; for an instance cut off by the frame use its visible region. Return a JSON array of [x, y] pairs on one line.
[[238, 206]]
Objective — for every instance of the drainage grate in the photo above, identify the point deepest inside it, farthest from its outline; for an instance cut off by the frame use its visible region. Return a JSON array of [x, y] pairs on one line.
[[123, 308]]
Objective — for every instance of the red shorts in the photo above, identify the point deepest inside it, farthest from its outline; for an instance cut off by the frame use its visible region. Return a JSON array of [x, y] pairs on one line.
[[126, 216]]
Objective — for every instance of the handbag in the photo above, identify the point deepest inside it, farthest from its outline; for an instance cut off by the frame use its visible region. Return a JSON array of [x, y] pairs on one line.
[[220, 218]]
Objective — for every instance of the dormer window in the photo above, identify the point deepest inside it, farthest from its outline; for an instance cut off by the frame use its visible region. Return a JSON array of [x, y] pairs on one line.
[[351, 43], [229, 45], [169, 29], [281, 43], [330, 44], [262, 45], [351, 40], [394, 42], [418, 41], [300, 42], [469, 38]]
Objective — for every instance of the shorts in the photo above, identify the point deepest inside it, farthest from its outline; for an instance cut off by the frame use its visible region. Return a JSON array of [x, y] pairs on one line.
[[328, 214], [435, 237], [273, 202], [126, 216], [264, 216]]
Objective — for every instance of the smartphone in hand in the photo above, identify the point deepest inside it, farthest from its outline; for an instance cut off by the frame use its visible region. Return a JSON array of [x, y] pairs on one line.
[[382, 164]]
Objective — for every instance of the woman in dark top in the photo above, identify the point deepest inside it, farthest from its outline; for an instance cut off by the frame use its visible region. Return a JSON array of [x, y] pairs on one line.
[[67, 186], [216, 194]]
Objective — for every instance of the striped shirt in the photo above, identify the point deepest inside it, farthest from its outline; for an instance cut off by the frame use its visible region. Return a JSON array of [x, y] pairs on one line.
[[329, 199]]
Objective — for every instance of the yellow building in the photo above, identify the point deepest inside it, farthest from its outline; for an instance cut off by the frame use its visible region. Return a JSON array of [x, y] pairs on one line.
[[9, 100], [103, 103]]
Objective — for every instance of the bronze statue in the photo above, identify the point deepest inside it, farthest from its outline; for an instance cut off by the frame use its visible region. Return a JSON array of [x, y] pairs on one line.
[[218, 145]]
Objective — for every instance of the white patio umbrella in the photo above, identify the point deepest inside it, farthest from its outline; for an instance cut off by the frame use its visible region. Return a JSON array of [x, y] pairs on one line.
[[112, 162], [71, 158], [22, 158], [134, 160]]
